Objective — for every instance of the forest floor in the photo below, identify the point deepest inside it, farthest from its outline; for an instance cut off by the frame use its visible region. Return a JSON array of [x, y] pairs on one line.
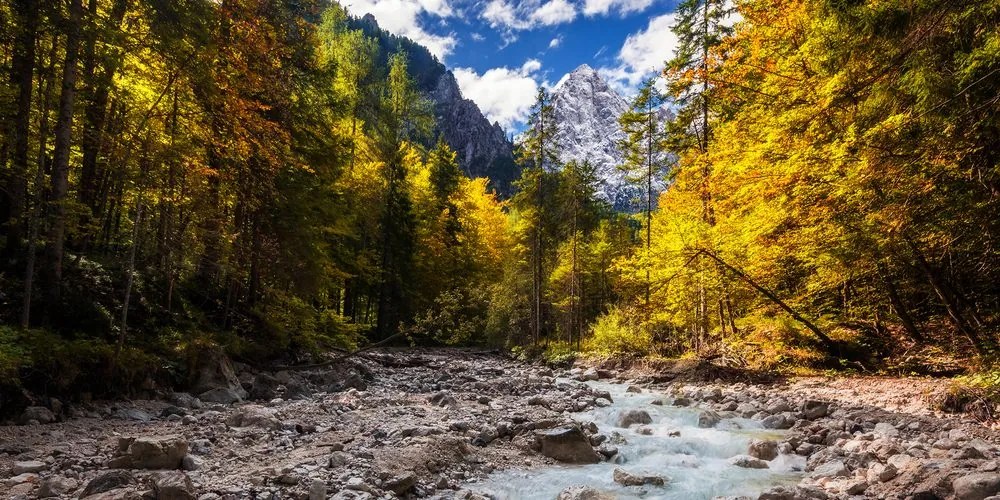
[[429, 423]]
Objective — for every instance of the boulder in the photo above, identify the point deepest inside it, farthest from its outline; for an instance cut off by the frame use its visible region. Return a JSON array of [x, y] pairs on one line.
[[57, 486], [708, 418], [812, 409], [402, 483], [835, 468], [566, 444], [631, 417], [625, 478], [214, 370], [36, 414], [173, 485], [748, 462], [779, 421], [976, 486], [221, 395], [185, 400], [28, 467], [584, 493], [764, 449], [165, 452], [317, 490], [254, 416], [887, 430], [107, 481], [265, 387]]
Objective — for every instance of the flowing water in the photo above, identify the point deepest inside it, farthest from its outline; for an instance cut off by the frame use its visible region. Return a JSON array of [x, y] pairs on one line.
[[694, 463]]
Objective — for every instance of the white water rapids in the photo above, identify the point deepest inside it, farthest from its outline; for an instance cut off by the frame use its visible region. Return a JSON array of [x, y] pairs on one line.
[[694, 464]]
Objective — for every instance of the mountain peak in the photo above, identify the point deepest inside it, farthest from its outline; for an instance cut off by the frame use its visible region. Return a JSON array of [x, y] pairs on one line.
[[584, 70]]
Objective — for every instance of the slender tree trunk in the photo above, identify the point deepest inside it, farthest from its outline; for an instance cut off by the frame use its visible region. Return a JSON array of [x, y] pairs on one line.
[[898, 307], [61, 154], [21, 77]]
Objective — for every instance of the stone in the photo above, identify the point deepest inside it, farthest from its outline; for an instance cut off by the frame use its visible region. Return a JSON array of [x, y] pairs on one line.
[[583, 493], [779, 421], [191, 463], [442, 399], [107, 481], [254, 416], [265, 387], [56, 487], [765, 449], [317, 490], [162, 452], [976, 486], [36, 414], [855, 486], [30, 466], [881, 473], [812, 409], [835, 468], [133, 414], [748, 462], [708, 418], [566, 444], [887, 430], [634, 389], [402, 483], [214, 370], [185, 400], [631, 417], [682, 401], [625, 478], [221, 395], [173, 485]]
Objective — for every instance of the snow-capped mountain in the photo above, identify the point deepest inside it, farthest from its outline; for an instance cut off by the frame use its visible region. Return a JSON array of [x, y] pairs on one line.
[[586, 111]]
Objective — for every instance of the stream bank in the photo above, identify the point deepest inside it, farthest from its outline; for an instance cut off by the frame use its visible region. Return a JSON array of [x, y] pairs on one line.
[[445, 423]]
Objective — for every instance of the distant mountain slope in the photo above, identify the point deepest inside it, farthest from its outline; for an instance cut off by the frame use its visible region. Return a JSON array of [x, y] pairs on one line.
[[587, 111], [483, 149]]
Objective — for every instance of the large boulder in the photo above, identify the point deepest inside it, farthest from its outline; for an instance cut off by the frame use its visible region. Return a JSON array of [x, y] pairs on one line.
[[254, 416], [624, 478], [708, 418], [164, 452], [36, 415], [748, 462], [173, 485], [107, 481], [567, 444], [213, 370], [976, 486], [632, 417], [812, 409], [764, 449]]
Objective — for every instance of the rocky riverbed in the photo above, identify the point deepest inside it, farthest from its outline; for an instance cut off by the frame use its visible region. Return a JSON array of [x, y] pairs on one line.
[[445, 423]]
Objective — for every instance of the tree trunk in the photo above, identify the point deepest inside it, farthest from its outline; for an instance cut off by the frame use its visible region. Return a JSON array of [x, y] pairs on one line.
[[898, 307], [61, 153]]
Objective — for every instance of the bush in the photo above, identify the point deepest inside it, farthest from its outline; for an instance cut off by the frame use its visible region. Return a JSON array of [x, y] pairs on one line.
[[620, 332], [767, 343]]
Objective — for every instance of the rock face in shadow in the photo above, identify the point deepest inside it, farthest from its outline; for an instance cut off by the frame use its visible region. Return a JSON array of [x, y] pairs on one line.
[[567, 444]]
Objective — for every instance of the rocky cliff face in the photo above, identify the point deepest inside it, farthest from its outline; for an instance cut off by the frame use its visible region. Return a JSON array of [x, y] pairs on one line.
[[482, 147], [587, 109]]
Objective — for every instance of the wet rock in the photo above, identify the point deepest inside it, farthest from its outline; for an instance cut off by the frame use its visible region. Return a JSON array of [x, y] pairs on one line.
[[56, 487], [173, 485], [566, 444], [402, 483], [165, 452], [812, 409], [835, 468], [254, 416], [583, 493], [632, 417], [107, 481], [708, 418], [626, 479], [682, 401], [634, 389], [748, 462], [36, 414], [779, 421], [976, 486], [29, 467], [763, 449]]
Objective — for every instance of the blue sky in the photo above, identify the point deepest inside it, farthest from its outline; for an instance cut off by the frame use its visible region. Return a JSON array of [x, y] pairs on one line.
[[502, 50]]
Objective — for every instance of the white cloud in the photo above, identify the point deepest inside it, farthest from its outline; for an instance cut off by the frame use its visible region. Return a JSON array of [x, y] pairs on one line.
[[504, 95], [556, 42], [643, 54], [528, 14], [402, 17], [622, 7], [478, 37]]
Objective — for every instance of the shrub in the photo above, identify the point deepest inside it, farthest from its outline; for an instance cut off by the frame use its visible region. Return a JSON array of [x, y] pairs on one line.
[[620, 332]]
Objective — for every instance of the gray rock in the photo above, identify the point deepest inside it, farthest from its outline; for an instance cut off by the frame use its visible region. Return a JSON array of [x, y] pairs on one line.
[[887, 430], [254, 416], [812, 409], [214, 370], [881, 473], [632, 417], [682, 401], [185, 400], [976, 486], [29, 467], [39, 414], [163, 452], [173, 485], [221, 395], [584, 493], [779, 421], [191, 463], [265, 387], [624, 478], [442, 399], [566, 444], [708, 418], [763, 449], [748, 462], [317, 490], [835, 468], [402, 483], [57, 486], [107, 481]]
